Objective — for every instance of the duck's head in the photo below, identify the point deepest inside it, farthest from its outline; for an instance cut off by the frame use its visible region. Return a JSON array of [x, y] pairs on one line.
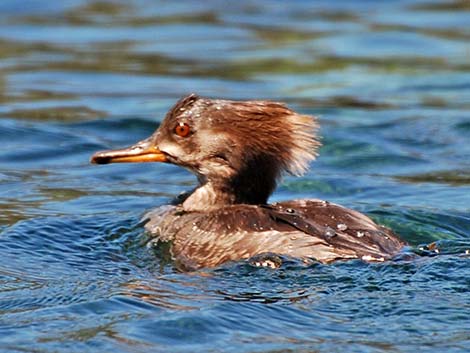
[[237, 149]]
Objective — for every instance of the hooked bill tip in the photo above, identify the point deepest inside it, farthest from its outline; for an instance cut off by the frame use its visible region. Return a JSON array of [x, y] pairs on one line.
[[99, 158]]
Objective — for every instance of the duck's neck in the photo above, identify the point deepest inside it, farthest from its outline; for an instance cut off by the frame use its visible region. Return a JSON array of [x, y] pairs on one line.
[[252, 187], [205, 198]]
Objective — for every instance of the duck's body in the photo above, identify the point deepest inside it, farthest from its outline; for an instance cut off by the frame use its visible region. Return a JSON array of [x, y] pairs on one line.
[[238, 150], [306, 229]]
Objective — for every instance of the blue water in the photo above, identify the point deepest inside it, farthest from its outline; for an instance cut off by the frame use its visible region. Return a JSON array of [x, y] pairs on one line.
[[390, 83]]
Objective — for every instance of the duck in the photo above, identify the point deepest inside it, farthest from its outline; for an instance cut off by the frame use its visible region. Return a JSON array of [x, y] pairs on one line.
[[239, 151]]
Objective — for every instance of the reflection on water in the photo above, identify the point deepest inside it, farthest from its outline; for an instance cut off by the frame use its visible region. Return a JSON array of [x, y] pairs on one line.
[[390, 84]]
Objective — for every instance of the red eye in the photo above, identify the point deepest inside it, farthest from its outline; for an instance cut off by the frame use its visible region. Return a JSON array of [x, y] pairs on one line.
[[182, 129]]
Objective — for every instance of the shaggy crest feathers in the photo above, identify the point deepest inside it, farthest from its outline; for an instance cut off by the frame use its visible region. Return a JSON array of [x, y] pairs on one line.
[[268, 130], [304, 144]]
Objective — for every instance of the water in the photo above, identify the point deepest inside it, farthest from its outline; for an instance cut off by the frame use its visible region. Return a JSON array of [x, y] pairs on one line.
[[390, 83]]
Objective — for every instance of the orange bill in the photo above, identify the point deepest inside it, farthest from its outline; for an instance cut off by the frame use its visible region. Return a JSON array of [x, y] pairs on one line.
[[143, 151]]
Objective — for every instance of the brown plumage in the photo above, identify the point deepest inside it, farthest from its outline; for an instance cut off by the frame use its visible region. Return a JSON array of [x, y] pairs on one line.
[[238, 151]]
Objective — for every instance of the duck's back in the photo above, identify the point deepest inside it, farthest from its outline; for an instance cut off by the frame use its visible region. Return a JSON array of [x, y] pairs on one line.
[[302, 228], [307, 229]]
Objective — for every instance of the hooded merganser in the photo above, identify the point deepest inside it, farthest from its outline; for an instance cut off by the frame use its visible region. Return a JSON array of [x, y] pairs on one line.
[[238, 150]]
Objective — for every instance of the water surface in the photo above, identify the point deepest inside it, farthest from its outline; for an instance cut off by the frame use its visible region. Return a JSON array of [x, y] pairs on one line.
[[390, 83]]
